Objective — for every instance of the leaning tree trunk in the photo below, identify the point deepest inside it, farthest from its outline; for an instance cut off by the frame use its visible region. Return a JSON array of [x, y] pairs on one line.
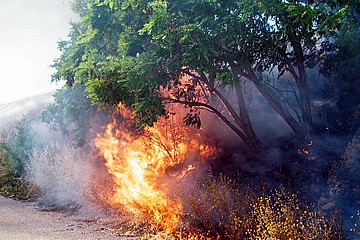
[[277, 104], [243, 126], [301, 80], [235, 120], [243, 111]]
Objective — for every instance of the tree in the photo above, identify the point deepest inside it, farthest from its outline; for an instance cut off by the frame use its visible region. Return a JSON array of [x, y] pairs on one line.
[[73, 115], [236, 40], [341, 66], [127, 51]]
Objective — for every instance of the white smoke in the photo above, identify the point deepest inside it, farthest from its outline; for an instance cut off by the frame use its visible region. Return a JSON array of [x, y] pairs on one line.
[[62, 173]]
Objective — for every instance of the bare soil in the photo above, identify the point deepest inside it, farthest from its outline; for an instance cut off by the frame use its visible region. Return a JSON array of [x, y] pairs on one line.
[[25, 221]]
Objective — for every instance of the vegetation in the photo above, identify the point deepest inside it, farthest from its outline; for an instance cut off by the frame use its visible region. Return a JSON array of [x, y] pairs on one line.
[[222, 209], [127, 51], [342, 68], [12, 184], [14, 159], [62, 173], [137, 53], [230, 53], [71, 113]]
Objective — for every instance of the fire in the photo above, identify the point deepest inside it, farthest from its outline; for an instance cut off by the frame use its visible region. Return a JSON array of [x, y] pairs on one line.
[[306, 151], [146, 167]]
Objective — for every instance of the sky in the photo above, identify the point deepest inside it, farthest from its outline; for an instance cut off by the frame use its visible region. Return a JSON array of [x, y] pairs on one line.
[[29, 32]]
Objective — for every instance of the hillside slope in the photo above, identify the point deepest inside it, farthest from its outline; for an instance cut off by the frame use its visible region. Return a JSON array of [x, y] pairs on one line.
[[12, 113]]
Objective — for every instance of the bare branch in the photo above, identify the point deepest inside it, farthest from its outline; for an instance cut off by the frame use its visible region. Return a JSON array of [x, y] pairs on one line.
[[238, 131]]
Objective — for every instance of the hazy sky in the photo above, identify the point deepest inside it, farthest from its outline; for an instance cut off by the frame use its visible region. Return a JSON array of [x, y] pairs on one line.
[[29, 31]]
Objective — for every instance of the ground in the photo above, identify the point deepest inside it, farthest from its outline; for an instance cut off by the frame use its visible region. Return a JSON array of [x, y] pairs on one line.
[[25, 221]]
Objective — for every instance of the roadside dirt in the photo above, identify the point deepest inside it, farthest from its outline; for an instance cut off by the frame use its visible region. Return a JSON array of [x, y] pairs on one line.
[[25, 221]]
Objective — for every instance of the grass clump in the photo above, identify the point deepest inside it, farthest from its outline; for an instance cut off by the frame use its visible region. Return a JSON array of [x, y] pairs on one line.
[[62, 173], [214, 210]]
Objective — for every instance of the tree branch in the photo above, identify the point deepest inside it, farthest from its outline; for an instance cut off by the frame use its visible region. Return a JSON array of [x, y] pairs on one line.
[[211, 109]]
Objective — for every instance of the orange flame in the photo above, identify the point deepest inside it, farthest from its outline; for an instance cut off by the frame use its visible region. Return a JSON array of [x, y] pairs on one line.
[[145, 166], [303, 151]]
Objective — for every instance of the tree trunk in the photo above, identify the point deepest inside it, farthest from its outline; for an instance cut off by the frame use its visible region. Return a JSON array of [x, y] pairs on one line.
[[243, 111], [276, 103], [241, 127], [301, 80], [249, 136]]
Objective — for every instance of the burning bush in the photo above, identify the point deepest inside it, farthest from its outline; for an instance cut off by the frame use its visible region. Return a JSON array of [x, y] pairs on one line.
[[146, 167], [150, 167]]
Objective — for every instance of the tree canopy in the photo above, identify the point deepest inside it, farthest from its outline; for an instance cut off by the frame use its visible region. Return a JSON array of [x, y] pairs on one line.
[[129, 51]]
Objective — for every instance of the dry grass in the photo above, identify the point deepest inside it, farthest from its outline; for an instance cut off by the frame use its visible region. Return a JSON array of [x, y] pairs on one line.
[[281, 215], [355, 228], [214, 210], [220, 210], [62, 172]]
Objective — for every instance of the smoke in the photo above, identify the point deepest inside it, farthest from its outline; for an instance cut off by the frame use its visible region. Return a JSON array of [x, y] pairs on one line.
[[30, 31], [62, 173], [12, 113], [60, 170], [67, 175]]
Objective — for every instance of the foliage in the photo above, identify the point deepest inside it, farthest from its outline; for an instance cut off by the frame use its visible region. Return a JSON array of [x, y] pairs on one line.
[[71, 113], [248, 40], [219, 209], [21, 141], [11, 183], [127, 51], [343, 69], [14, 159]]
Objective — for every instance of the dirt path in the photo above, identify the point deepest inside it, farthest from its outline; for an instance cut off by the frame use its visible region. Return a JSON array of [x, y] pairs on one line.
[[23, 221]]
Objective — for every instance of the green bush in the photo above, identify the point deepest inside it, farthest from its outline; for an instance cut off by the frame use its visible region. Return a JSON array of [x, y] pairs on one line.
[[14, 158], [11, 183], [20, 143]]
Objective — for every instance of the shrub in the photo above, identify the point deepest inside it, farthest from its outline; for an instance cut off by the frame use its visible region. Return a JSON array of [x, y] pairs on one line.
[[11, 183], [20, 143], [215, 209]]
